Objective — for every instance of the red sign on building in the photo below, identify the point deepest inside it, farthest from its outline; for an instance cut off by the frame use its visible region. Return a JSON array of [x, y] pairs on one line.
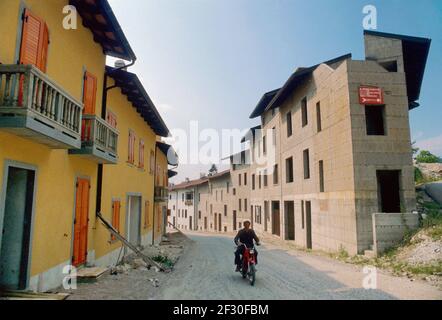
[[371, 95]]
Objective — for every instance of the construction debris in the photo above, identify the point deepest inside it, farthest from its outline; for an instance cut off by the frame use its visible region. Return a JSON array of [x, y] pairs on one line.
[[25, 295]]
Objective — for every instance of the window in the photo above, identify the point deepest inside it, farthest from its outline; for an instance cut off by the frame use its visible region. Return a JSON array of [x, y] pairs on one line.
[[234, 191], [264, 145], [116, 206], [152, 162], [89, 93], [259, 179], [147, 222], [390, 66], [141, 154], [228, 186], [179, 213], [275, 174], [35, 41], [374, 119], [131, 147], [225, 210], [245, 179], [318, 117], [306, 157], [182, 197], [245, 205], [304, 112], [199, 214], [239, 205], [111, 119], [289, 124], [321, 176], [211, 209], [216, 195], [239, 179], [265, 178], [253, 181], [289, 170]]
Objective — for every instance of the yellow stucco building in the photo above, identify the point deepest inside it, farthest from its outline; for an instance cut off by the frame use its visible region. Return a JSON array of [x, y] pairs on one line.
[[76, 138]]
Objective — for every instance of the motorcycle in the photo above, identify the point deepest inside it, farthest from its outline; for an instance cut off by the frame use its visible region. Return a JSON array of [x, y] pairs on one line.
[[248, 268]]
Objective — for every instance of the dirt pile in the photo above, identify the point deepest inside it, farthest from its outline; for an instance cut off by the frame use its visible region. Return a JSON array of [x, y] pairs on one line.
[[430, 171]]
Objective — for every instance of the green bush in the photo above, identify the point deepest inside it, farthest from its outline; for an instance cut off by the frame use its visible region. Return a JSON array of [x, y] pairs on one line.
[[427, 157]]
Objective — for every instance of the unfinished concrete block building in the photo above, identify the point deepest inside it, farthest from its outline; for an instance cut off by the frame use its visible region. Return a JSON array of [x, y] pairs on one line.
[[335, 138]]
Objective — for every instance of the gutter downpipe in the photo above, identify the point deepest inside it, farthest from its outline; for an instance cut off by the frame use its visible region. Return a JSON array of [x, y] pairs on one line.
[[103, 116]]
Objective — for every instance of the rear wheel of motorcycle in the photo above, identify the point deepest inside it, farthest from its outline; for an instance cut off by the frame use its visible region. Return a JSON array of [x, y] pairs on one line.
[[252, 275]]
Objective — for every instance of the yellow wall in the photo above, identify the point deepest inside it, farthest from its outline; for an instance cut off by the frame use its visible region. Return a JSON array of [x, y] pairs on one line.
[[69, 52], [124, 178]]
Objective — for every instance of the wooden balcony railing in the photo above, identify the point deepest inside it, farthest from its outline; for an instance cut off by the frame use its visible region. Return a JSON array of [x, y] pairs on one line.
[[26, 92]]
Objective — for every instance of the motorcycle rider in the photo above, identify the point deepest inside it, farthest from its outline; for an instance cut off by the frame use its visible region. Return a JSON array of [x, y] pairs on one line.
[[245, 236]]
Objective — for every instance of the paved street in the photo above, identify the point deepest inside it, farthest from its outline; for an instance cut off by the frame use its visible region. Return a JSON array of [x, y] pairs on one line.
[[206, 272]]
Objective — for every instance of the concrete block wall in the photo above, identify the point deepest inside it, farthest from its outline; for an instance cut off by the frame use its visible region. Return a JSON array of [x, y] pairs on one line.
[[389, 229], [391, 151]]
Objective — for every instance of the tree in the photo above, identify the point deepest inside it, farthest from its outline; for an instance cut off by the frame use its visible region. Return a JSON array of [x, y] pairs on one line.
[[213, 170], [425, 156]]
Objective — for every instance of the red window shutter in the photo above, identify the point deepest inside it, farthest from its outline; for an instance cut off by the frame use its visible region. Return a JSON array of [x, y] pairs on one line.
[[43, 56], [141, 154], [89, 93], [152, 162], [35, 41], [111, 119], [131, 147]]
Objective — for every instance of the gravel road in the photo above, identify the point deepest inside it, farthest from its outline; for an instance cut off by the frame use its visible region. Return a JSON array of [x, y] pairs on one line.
[[206, 271]]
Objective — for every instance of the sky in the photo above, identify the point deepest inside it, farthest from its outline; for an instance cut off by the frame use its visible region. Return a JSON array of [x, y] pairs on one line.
[[211, 61]]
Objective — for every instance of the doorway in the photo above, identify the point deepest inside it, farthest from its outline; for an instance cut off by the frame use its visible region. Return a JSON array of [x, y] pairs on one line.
[[133, 228], [81, 222], [216, 222], [308, 222], [16, 227], [205, 223], [276, 228], [234, 220], [388, 191], [266, 215], [219, 222], [289, 209], [190, 223]]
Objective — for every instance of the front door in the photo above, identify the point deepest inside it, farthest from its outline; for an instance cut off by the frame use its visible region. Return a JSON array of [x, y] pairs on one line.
[[234, 220], [389, 191], [276, 228], [219, 222], [81, 222], [134, 219], [16, 228]]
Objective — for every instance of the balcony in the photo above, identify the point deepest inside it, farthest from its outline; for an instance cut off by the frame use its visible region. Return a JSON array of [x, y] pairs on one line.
[[188, 202], [34, 107], [99, 140], [161, 194]]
